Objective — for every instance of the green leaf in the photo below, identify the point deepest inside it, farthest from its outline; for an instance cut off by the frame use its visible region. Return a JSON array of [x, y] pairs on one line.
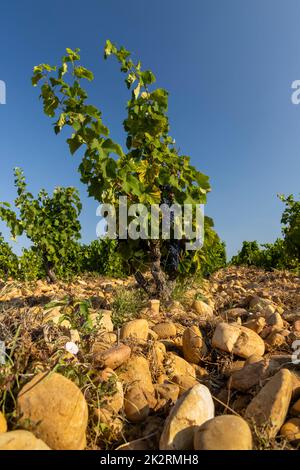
[[82, 72], [132, 185], [74, 143], [73, 55], [108, 49], [148, 77], [36, 78], [112, 147]]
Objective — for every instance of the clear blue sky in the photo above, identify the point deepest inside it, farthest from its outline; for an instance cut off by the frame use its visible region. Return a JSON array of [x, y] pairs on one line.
[[228, 65]]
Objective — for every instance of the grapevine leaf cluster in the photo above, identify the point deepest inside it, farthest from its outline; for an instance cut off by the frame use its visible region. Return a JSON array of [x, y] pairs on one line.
[[151, 160], [284, 253], [50, 222]]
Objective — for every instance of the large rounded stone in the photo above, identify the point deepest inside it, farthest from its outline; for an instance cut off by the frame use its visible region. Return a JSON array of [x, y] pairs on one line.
[[56, 410], [227, 432], [136, 405], [135, 329], [175, 365], [190, 411], [3, 424], [203, 309], [237, 340], [165, 330], [193, 345], [112, 357], [21, 440], [268, 409], [136, 372]]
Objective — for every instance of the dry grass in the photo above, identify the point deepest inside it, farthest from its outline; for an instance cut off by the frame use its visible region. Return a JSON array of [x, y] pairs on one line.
[[34, 347]]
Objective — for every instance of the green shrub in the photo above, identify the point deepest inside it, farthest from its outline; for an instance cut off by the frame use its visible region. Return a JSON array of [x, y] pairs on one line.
[[8, 260], [267, 256], [291, 225], [283, 253], [277, 256], [30, 266], [103, 257], [50, 222], [249, 255], [211, 257]]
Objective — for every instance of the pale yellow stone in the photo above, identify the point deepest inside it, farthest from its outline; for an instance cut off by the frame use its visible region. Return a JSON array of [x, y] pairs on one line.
[[190, 411], [227, 432], [21, 440], [55, 408]]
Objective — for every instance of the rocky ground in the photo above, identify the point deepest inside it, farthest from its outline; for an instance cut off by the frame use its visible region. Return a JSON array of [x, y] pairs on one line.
[[94, 365]]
